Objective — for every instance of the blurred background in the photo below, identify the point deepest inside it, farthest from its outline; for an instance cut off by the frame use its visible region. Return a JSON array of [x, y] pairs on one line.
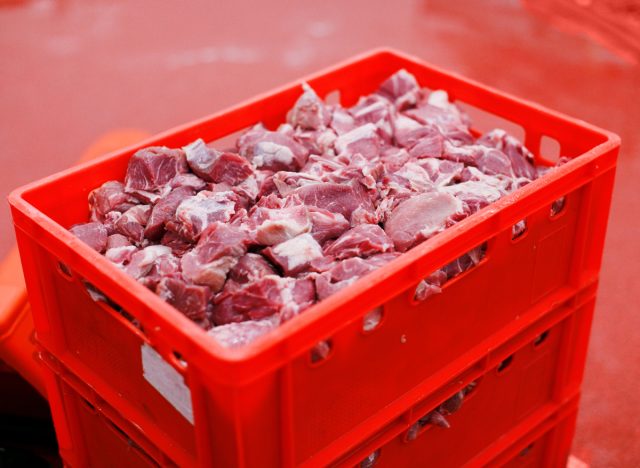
[[84, 77]]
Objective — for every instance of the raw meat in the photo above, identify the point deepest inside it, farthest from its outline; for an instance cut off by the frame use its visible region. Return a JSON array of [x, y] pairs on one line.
[[152, 168], [93, 234], [294, 255], [241, 240], [420, 217], [361, 241]]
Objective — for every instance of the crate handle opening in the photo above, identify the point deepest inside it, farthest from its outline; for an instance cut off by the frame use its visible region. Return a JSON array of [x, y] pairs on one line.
[[321, 352], [519, 229], [372, 320], [557, 207], [504, 364], [541, 338]]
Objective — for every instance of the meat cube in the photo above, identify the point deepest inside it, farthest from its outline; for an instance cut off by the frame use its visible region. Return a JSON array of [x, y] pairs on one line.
[[440, 171], [152, 168], [430, 145], [191, 300], [188, 180], [407, 131], [194, 214], [347, 200], [251, 267], [294, 255], [236, 334], [394, 158], [133, 221], [449, 119], [363, 140], [342, 121], [361, 241], [420, 217], [402, 89], [377, 111], [317, 141], [218, 250], [475, 195], [286, 182], [272, 150], [117, 240], [216, 166], [276, 225], [521, 158], [152, 259], [110, 196], [309, 112], [93, 234], [164, 211], [178, 244], [268, 296], [326, 225], [347, 272]]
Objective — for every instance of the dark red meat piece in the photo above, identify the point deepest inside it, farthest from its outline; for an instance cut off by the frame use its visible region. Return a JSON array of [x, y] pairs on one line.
[[164, 210], [191, 300], [93, 234], [133, 221], [154, 167], [294, 255]]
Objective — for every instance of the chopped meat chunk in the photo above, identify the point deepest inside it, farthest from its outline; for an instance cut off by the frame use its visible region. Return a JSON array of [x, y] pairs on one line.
[[193, 301], [361, 241], [93, 234], [294, 255], [216, 166], [152, 168]]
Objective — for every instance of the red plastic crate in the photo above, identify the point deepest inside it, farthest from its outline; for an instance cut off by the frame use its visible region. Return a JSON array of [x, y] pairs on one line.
[[520, 390], [267, 403]]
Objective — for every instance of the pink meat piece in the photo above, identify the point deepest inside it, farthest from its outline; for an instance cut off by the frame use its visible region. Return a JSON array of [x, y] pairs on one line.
[[286, 182], [402, 89], [294, 255], [309, 112], [272, 150], [193, 301], [251, 267], [154, 259], [449, 119], [117, 240], [357, 168], [133, 221], [347, 272], [321, 168], [441, 172], [407, 131], [216, 166], [164, 211], [521, 158], [464, 262], [218, 250], [428, 146], [188, 180], [268, 296], [276, 225], [420, 217], [178, 244], [377, 111], [474, 194], [110, 220], [93, 234], [316, 141], [394, 158], [430, 286], [120, 254], [351, 201], [489, 160], [236, 334], [342, 121], [110, 196], [152, 168], [361, 241], [326, 225], [363, 140], [194, 214]]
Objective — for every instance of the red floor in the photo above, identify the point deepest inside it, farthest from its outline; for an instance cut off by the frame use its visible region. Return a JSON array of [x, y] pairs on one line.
[[71, 71]]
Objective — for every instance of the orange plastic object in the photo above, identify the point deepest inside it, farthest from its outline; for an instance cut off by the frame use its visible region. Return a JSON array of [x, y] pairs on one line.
[[518, 391], [267, 403], [17, 344]]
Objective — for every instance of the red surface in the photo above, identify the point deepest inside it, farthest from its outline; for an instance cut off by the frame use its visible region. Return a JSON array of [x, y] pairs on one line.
[[517, 285], [72, 70]]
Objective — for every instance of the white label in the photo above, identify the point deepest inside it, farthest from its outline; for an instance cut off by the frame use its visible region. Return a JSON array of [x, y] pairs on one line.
[[167, 381]]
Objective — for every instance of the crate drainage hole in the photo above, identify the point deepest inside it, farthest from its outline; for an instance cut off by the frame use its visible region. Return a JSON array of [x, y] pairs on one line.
[[518, 229], [525, 451], [372, 319], [179, 359], [321, 351], [65, 271], [505, 364], [557, 206], [540, 338], [371, 460]]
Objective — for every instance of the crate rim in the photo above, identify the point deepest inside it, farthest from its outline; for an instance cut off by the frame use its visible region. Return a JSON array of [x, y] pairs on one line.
[[283, 342]]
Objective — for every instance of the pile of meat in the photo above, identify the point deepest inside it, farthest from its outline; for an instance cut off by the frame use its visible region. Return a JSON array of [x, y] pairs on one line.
[[242, 239]]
